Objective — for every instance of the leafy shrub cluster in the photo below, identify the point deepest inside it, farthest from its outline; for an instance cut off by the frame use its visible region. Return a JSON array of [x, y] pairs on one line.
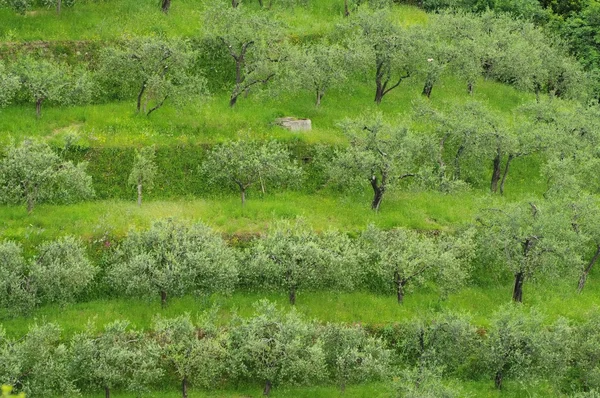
[[275, 349]]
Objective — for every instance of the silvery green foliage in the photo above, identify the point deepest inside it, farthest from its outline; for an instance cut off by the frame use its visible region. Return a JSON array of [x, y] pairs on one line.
[[245, 163], [153, 70], [277, 348], [197, 355], [318, 67], [529, 240], [38, 363], [292, 257], [17, 294], [423, 382], [32, 173], [9, 85], [515, 344], [379, 154], [254, 40], [352, 356], [119, 357], [400, 259], [586, 355], [173, 259], [588, 394], [61, 270], [144, 170], [19, 6]]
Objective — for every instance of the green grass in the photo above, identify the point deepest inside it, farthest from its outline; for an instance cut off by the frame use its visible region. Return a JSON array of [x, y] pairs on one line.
[[553, 298], [117, 124]]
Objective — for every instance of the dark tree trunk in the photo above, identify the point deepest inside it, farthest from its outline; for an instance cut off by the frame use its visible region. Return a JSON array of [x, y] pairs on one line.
[[510, 158], [427, 88], [106, 392], [267, 389], [233, 99], [243, 194], [399, 287], [166, 5], [346, 9], [139, 192], [470, 87], [496, 172], [58, 6], [587, 270], [380, 91], [140, 95], [38, 107], [319, 96], [235, 3], [457, 171], [292, 295], [163, 298], [518, 289], [30, 204], [184, 388], [260, 3], [498, 380], [377, 197]]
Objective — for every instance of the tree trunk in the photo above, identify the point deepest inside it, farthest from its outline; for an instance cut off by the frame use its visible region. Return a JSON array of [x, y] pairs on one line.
[[267, 389], [234, 3], [30, 204], [343, 386], [140, 95], [292, 295], [106, 392], [184, 387], [457, 171], [378, 191], [260, 3], [166, 5], [243, 194], [319, 96], [510, 158], [399, 287], [58, 6], [38, 107], [163, 298], [346, 9], [139, 191], [427, 88], [587, 270], [470, 87], [498, 380], [379, 92], [496, 172], [233, 100], [518, 289]]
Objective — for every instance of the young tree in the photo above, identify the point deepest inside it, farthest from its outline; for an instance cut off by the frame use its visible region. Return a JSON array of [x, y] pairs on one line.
[[380, 154], [292, 257], [196, 356], [352, 356], [403, 258], [586, 354], [119, 357], [143, 172], [61, 270], [17, 294], [172, 259], [318, 67], [254, 41], [154, 70], [422, 382], [388, 50], [245, 163], [32, 173], [275, 348], [9, 85], [527, 240]]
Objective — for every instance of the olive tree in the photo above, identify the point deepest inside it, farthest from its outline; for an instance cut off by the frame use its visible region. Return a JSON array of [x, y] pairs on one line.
[[153, 70], [273, 347], [254, 41], [423, 382], [17, 293], [119, 357], [318, 67], [381, 154], [527, 240], [37, 363], [61, 270], [173, 259], [292, 257], [244, 163], [196, 356], [143, 172], [32, 173], [403, 258], [386, 49], [9, 85], [352, 356]]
